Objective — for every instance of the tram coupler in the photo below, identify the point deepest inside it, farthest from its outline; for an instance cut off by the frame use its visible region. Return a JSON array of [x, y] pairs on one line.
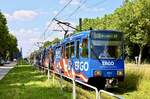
[[111, 83]]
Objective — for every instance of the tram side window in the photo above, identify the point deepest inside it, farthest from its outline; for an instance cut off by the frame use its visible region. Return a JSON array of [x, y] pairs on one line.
[[77, 49], [72, 49], [85, 48], [67, 50], [63, 52], [58, 52]]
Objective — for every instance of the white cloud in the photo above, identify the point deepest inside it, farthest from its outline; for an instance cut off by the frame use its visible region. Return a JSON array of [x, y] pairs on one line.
[[22, 15], [26, 34], [74, 2], [27, 39]]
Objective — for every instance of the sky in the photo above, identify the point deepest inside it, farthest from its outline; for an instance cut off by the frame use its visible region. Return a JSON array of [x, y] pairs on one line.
[[28, 19]]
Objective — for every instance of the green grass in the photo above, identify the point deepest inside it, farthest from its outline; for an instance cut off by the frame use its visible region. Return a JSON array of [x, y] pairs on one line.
[[25, 82], [22, 62], [136, 84]]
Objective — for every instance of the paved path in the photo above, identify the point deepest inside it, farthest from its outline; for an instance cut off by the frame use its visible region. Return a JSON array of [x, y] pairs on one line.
[[5, 69]]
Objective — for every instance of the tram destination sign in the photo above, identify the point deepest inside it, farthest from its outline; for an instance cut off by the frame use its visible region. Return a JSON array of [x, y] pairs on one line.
[[104, 35]]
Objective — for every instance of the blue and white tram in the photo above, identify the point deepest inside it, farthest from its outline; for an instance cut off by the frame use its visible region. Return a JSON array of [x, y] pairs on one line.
[[94, 56]]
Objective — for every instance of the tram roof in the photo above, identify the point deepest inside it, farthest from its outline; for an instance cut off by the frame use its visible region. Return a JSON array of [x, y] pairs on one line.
[[84, 34], [76, 36]]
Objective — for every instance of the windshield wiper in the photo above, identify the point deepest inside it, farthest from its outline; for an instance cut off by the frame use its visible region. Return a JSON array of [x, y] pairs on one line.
[[119, 57]]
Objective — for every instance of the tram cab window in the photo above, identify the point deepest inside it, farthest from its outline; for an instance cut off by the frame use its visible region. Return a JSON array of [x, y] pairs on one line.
[[84, 48]]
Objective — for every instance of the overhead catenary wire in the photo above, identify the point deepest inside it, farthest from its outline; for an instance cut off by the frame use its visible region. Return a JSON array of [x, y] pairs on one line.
[[96, 4], [60, 23], [49, 25], [51, 20], [71, 14], [93, 6], [87, 7], [82, 3]]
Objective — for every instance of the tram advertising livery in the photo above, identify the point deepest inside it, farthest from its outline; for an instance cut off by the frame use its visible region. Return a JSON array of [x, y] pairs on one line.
[[95, 57]]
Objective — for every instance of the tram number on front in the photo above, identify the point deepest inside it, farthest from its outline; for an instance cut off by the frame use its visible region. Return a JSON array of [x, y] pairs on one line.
[[82, 66]]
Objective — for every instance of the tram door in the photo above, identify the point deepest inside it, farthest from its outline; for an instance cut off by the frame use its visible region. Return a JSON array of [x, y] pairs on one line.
[[70, 55], [84, 54], [81, 61]]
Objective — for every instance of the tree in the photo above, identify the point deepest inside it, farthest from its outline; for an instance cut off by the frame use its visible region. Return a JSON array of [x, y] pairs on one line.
[[8, 45], [12, 45], [136, 23], [56, 40], [49, 43], [3, 33]]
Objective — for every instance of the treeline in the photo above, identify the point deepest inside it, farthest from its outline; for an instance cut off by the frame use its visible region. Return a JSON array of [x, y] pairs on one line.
[[132, 18], [8, 42]]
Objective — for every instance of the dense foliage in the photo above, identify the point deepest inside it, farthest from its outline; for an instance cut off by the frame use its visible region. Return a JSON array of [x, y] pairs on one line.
[[8, 42], [132, 18]]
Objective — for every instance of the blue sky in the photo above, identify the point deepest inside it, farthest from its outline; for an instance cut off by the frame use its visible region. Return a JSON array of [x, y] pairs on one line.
[[27, 19]]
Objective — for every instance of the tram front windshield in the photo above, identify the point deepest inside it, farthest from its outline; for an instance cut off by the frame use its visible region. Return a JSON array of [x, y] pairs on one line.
[[106, 45]]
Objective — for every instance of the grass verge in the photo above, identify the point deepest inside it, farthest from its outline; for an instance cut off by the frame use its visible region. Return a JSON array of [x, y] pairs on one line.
[[25, 82], [136, 84]]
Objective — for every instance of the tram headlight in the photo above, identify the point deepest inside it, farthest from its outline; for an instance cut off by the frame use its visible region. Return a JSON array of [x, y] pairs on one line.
[[97, 73], [120, 73]]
